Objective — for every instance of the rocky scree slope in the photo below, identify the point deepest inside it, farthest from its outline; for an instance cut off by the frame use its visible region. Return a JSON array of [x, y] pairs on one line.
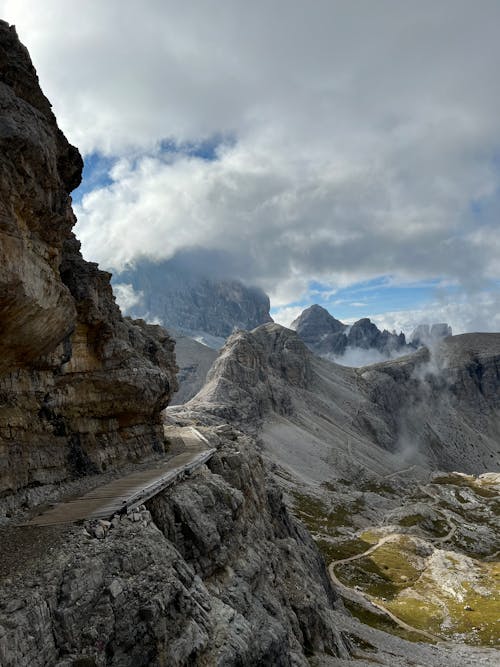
[[81, 388], [444, 406], [194, 361]]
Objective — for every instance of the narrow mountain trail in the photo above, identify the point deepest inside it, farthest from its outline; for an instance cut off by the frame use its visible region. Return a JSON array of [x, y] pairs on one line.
[[366, 598], [129, 491]]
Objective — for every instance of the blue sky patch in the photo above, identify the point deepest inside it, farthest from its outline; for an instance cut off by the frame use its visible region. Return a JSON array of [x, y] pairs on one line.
[[96, 168], [370, 297]]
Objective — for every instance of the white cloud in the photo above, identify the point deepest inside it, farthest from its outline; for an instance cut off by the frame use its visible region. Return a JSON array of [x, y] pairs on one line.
[[359, 134], [480, 312], [287, 314], [126, 297]]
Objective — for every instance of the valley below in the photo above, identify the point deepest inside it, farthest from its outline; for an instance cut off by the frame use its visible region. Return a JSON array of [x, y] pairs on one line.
[[430, 561], [335, 516], [392, 469]]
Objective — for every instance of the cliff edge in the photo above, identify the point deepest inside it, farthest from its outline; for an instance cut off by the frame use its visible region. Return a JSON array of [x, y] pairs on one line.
[[81, 388]]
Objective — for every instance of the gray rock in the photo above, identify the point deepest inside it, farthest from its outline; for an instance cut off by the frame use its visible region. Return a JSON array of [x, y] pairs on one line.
[[327, 336], [115, 588], [82, 388], [190, 302], [224, 575], [194, 361]]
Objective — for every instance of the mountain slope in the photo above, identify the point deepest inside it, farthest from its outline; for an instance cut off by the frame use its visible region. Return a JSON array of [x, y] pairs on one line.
[[194, 361], [366, 459], [439, 410]]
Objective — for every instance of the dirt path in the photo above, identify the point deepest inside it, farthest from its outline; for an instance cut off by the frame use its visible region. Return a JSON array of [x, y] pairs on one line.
[[366, 598]]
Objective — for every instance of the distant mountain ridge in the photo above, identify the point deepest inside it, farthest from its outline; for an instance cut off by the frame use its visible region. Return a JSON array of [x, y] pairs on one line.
[[195, 304], [326, 336]]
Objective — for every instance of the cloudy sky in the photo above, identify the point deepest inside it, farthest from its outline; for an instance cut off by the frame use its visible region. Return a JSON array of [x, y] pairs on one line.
[[339, 152]]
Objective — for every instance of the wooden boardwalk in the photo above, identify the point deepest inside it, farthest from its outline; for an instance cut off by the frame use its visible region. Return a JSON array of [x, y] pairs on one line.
[[128, 492]]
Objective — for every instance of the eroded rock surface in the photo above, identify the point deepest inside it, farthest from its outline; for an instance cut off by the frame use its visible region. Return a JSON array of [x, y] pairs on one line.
[[81, 388], [439, 410], [254, 374], [215, 572]]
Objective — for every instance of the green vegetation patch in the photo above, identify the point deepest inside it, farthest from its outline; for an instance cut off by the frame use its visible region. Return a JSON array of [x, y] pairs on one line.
[[478, 487], [472, 618], [371, 536], [342, 549], [437, 527], [411, 520], [379, 487], [380, 622], [385, 572], [319, 518]]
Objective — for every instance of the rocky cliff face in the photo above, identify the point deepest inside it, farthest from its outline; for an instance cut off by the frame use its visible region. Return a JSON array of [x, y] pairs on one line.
[[81, 388], [254, 374], [193, 303], [213, 572]]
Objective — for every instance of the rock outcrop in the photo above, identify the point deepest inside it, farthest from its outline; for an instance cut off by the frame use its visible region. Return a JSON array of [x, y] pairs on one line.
[[320, 331], [195, 304], [254, 374], [81, 388], [214, 572], [330, 338], [365, 335], [440, 409]]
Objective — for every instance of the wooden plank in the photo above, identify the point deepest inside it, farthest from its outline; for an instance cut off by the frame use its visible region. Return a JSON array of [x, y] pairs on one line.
[[128, 492]]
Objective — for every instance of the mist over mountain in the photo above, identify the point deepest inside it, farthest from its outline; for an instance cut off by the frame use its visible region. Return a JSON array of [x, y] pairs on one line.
[[183, 295], [393, 467], [361, 343]]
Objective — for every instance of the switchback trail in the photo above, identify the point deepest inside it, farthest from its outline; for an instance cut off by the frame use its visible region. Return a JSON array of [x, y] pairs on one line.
[[368, 598]]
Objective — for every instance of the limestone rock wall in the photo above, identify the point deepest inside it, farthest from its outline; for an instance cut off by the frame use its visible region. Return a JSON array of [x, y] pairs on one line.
[[214, 572], [254, 375], [81, 388]]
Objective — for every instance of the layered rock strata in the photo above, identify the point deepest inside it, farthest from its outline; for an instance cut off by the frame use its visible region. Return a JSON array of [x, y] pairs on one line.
[[81, 388]]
